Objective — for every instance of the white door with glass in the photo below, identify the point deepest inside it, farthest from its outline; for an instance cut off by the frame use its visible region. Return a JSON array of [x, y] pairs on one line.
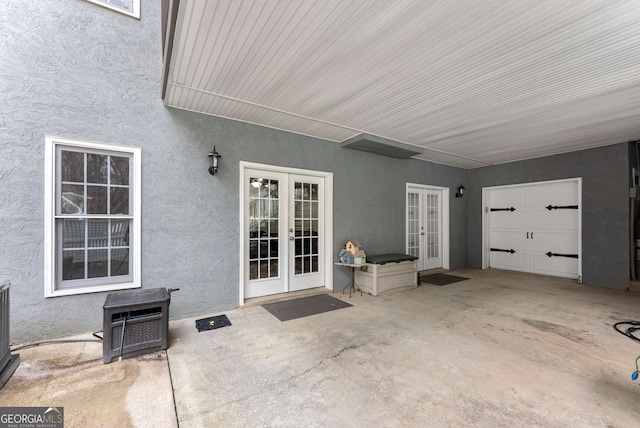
[[284, 230], [424, 226]]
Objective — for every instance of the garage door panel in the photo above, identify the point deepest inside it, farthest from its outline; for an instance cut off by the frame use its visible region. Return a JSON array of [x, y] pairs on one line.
[[563, 193], [565, 243], [516, 261], [508, 240], [506, 198], [556, 266], [556, 219], [509, 219]]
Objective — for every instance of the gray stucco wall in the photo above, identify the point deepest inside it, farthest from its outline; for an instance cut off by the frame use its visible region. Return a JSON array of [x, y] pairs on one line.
[[605, 206], [75, 70]]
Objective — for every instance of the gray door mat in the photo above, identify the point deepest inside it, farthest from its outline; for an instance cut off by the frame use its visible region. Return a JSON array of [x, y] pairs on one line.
[[441, 279], [299, 308], [212, 323]]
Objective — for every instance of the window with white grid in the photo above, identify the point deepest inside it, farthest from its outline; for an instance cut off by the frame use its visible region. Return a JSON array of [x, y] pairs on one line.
[[93, 216]]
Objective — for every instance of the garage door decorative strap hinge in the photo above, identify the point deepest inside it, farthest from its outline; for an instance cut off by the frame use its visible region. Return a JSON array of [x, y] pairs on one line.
[[503, 209], [503, 251], [573, 256], [565, 207]]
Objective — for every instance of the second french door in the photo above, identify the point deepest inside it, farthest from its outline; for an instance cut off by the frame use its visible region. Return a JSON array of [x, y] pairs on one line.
[[425, 226], [284, 224]]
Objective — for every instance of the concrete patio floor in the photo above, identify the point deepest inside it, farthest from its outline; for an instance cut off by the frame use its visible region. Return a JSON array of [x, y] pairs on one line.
[[500, 349]]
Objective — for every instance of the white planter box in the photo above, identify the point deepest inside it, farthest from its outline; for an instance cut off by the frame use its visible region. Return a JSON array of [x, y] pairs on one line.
[[380, 279]]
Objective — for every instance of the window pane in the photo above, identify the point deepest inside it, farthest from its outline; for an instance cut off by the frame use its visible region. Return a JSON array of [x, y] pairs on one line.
[[120, 233], [72, 166], [253, 270], [314, 192], [96, 200], [72, 199], [264, 269], [119, 170], [273, 228], [253, 249], [73, 264], [274, 189], [264, 249], [253, 228], [97, 264], [96, 168], [72, 233], [98, 233], [119, 200], [120, 262], [273, 248], [298, 267]]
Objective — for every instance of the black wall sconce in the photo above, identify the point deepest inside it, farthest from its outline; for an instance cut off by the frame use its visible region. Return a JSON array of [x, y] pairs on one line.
[[461, 190], [214, 159]]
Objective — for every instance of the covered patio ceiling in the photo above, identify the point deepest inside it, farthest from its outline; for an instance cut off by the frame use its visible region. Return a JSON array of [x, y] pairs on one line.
[[467, 83]]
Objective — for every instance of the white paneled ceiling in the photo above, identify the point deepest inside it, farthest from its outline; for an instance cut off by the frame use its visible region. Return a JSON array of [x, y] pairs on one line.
[[471, 83]]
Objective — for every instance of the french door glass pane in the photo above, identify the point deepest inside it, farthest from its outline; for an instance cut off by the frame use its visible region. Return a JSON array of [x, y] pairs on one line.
[[306, 225], [433, 238], [263, 228], [413, 220]]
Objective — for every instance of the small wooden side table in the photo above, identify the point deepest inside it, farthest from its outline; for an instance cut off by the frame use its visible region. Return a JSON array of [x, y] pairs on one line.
[[352, 282]]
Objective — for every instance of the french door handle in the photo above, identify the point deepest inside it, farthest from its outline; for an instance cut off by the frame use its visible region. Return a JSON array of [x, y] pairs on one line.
[[422, 233], [527, 235], [291, 238]]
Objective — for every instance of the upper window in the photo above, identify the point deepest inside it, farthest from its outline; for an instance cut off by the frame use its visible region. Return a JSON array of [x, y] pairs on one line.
[[93, 217], [128, 7]]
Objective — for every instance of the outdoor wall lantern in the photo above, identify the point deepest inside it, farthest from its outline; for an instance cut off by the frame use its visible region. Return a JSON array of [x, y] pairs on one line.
[[461, 190], [214, 159]]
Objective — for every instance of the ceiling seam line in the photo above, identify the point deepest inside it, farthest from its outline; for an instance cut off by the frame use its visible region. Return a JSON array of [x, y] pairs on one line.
[[321, 121]]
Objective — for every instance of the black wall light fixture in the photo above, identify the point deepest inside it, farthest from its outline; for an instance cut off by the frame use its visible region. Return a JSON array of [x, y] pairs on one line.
[[214, 159], [460, 192]]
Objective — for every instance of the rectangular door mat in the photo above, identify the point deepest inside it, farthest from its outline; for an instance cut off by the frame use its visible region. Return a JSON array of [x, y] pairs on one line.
[[212, 323], [441, 279], [299, 308]]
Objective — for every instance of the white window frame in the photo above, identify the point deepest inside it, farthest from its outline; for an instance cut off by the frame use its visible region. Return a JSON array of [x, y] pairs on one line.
[[50, 251], [135, 6]]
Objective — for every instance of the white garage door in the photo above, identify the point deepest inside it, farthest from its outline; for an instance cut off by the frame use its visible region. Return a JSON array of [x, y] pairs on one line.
[[535, 228]]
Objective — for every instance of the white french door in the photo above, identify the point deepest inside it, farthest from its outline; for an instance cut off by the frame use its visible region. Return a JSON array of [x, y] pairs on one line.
[[424, 226], [284, 232]]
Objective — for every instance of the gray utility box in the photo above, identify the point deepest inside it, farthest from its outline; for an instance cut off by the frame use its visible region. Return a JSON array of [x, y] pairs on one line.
[[143, 316]]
